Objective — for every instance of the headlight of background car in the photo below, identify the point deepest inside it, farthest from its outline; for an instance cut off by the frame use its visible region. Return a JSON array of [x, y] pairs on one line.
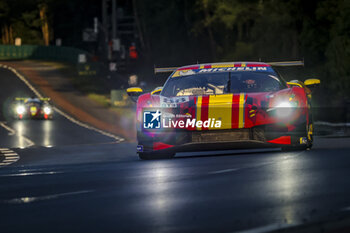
[[47, 110], [20, 109]]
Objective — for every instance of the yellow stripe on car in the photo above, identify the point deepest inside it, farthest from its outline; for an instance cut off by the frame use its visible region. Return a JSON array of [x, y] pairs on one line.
[[199, 109], [223, 65], [241, 110], [220, 108]]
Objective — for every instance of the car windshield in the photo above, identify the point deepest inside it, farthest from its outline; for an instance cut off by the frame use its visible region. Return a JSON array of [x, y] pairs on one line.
[[222, 83], [33, 101]]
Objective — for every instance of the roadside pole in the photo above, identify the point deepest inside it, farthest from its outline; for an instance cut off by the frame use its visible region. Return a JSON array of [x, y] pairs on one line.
[[105, 30], [114, 19]]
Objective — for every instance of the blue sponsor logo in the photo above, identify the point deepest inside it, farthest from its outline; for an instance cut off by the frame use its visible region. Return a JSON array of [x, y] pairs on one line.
[[139, 148], [152, 119]]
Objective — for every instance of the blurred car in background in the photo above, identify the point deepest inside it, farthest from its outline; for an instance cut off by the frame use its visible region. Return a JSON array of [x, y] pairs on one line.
[[32, 108]]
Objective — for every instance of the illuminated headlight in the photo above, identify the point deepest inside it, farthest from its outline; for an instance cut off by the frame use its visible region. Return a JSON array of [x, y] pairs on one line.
[[20, 109], [47, 110], [284, 109]]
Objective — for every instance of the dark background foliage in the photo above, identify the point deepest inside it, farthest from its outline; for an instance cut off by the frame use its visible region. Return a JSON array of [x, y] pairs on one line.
[[179, 32]]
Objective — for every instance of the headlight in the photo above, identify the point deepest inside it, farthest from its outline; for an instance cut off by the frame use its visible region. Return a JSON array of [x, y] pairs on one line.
[[20, 109], [47, 110], [284, 109]]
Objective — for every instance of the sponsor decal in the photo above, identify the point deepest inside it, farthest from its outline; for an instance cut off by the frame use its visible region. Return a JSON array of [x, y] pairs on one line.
[[221, 69], [166, 102], [303, 140], [227, 69], [154, 120], [139, 148], [186, 72], [183, 124]]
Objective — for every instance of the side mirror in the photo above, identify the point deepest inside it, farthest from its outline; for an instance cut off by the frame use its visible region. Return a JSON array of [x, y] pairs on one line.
[[157, 91], [134, 93], [312, 82]]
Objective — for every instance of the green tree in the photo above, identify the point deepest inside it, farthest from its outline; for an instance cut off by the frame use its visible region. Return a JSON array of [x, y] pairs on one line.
[[21, 18]]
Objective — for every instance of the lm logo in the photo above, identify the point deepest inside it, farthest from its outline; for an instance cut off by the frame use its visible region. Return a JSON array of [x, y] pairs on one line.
[[151, 119]]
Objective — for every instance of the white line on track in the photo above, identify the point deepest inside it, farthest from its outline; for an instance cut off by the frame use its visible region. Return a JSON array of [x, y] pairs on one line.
[[10, 157], [25, 200], [269, 228], [6, 151], [224, 171], [117, 138], [13, 132], [21, 77], [37, 93], [346, 208], [32, 173]]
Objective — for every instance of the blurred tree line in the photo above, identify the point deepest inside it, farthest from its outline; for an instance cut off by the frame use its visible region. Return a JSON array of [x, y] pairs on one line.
[[25, 19], [186, 31], [41, 21], [179, 32]]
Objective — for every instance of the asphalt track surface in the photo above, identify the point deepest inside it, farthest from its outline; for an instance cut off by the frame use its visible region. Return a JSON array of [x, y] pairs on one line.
[[76, 180]]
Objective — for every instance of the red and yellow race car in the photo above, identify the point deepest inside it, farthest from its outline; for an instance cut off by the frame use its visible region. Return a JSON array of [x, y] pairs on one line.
[[223, 106]]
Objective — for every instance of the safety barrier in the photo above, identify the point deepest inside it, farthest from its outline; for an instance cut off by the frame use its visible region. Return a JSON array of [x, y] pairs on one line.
[[38, 52]]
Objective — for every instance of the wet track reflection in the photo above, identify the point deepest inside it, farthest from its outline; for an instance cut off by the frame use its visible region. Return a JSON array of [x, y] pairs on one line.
[[288, 186], [42, 132], [21, 129], [227, 193], [48, 133]]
